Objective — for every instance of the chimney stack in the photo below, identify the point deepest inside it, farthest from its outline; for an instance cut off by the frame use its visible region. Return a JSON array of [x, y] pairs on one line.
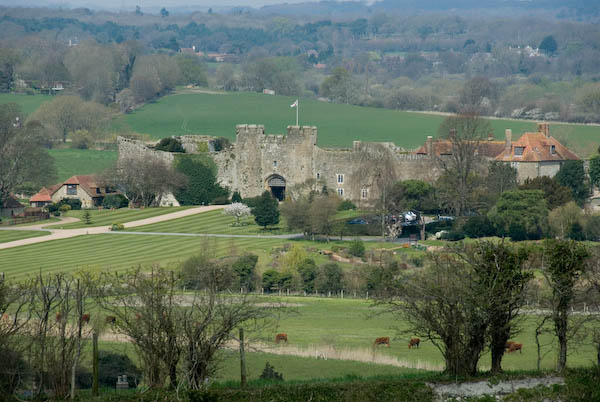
[[429, 146], [544, 128], [508, 141]]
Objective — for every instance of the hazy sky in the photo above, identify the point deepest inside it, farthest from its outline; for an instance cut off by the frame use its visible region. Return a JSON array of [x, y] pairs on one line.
[[130, 4]]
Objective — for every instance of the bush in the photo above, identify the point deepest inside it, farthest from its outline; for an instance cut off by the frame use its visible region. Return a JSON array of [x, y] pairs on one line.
[[269, 373], [453, 235], [479, 226], [56, 213], [270, 280], [357, 248], [236, 197], [221, 143], [64, 208], [517, 232], [245, 269], [222, 200], [170, 145], [202, 187], [115, 201], [346, 205], [117, 226], [75, 203], [81, 139], [251, 202]]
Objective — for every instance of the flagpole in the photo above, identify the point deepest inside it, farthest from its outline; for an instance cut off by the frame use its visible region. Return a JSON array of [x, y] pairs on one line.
[[297, 110]]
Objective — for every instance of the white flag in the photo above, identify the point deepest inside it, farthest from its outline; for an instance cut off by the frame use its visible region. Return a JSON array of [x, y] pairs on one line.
[[295, 104]]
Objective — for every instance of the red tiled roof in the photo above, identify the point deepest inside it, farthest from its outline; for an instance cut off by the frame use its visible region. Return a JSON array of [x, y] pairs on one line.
[[11, 202], [44, 195], [537, 147], [486, 148], [86, 182]]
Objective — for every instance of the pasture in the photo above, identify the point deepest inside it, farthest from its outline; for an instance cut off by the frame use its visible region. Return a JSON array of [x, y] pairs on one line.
[[71, 162], [28, 103], [217, 114]]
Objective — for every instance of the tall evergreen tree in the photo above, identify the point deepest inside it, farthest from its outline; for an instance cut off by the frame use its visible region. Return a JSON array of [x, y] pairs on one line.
[[266, 211]]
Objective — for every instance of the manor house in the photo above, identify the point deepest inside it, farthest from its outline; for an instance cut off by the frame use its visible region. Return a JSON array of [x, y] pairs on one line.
[[257, 162]]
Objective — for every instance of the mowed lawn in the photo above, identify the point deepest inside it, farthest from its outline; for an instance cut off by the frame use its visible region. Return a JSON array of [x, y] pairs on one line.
[[71, 162], [338, 125], [104, 217], [211, 222], [120, 251], [12, 235]]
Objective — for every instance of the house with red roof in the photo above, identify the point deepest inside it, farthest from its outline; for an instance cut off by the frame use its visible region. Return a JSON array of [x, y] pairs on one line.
[[535, 154], [83, 187]]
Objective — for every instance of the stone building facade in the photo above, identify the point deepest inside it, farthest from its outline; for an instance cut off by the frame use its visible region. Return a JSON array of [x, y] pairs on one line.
[[257, 162]]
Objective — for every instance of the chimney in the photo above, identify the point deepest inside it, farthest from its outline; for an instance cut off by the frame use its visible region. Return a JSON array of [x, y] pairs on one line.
[[544, 128], [194, 48], [429, 145], [508, 141]]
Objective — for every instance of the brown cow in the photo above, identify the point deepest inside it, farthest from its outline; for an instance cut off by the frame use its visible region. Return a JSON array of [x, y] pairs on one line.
[[508, 344], [281, 337], [414, 342], [384, 340], [58, 316], [515, 346], [85, 318]]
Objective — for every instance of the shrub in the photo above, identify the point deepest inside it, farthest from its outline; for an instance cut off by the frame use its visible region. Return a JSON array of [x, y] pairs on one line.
[[479, 226], [81, 139], [170, 145], [269, 373], [222, 200], [252, 201], [236, 197], [75, 203], [115, 201], [270, 280], [346, 205], [357, 248], [517, 232], [454, 235], [117, 226], [245, 269], [64, 208], [56, 213]]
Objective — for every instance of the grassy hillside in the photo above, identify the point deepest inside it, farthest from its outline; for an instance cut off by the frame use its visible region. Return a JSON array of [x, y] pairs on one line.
[[70, 162], [28, 103], [339, 125]]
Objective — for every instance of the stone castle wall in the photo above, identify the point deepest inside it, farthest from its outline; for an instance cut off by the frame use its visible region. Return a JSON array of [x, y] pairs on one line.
[[256, 157]]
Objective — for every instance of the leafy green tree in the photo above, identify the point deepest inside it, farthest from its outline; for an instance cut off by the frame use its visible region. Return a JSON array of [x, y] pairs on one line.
[[266, 210], [202, 187], [170, 144], [236, 197], [8, 62], [595, 170], [416, 195], [500, 277], [192, 70], [548, 45], [338, 86], [526, 208], [566, 263], [572, 175], [245, 269], [329, 278], [479, 226], [276, 73], [554, 193], [308, 274]]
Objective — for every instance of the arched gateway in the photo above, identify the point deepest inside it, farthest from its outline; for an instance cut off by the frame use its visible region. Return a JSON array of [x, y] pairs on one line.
[[276, 184]]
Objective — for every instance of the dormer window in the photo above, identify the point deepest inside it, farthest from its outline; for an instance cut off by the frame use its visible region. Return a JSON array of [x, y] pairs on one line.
[[553, 149], [519, 151]]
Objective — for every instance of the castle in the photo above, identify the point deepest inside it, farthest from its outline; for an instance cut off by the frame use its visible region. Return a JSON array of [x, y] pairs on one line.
[[257, 162]]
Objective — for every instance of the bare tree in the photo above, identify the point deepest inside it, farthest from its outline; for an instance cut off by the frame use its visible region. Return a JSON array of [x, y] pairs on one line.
[[144, 179], [462, 161], [22, 156]]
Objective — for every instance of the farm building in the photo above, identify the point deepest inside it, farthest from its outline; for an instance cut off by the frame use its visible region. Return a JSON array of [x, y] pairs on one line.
[[82, 187]]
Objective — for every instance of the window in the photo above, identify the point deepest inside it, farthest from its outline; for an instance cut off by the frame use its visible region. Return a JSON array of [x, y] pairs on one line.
[[519, 151], [364, 193], [318, 176], [340, 192], [340, 179], [274, 164], [553, 149], [71, 189]]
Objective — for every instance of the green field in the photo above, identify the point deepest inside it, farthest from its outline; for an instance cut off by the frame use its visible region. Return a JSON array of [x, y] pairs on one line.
[[71, 162], [28, 103], [105, 217], [339, 125], [12, 235], [119, 251]]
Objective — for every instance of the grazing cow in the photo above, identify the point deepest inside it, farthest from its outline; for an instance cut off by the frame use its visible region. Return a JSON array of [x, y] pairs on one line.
[[384, 340], [85, 318], [58, 316], [111, 319], [414, 342], [508, 344], [281, 337], [515, 346]]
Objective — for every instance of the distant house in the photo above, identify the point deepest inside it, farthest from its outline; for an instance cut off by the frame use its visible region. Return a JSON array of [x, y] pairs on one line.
[[11, 207], [442, 147], [82, 187], [535, 154]]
